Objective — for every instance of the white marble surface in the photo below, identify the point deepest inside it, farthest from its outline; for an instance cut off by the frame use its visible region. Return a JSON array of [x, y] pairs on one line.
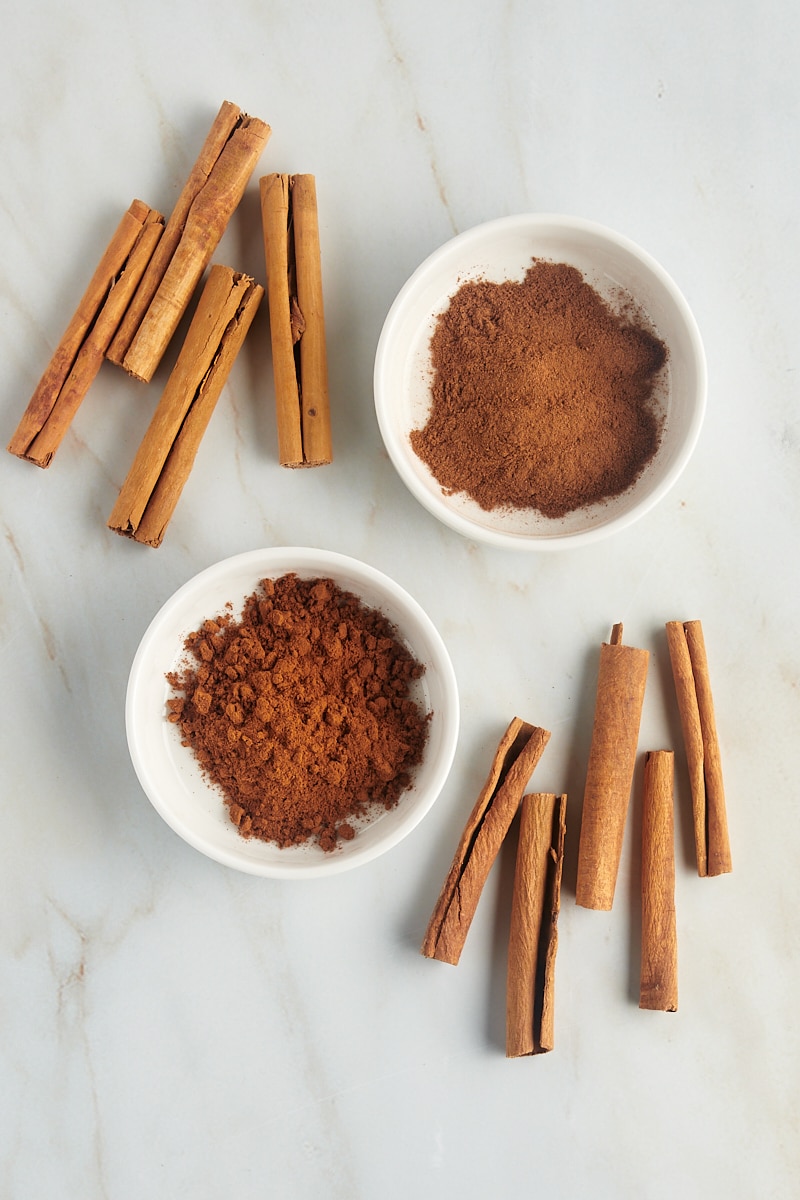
[[171, 1028]]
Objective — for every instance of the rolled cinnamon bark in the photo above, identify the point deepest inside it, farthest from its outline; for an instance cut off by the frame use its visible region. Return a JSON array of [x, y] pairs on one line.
[[211, 193], [79, 355], [690, 672], [609, 777], [166, 455], [517, 754], [658, 987], [533, 936], [297, 319]]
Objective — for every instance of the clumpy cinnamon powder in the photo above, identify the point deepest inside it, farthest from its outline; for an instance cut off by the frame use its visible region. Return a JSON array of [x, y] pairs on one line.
[[301, 711], [543, 397]]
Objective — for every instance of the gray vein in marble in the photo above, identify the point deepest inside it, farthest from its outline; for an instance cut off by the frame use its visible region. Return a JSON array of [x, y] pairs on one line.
[[71, 977], [86, 449], [292, 1000], [356, 1088], [421, 123], [513, 129], [47, 636], [173, 145], [240, 443], [32, 245], [17, 349]]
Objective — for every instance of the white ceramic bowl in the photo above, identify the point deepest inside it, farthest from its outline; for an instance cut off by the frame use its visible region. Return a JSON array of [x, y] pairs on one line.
[[502, 250], [168, 771]]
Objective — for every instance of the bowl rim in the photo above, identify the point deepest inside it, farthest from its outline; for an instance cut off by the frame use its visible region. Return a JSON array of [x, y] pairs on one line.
[[556, 541], [311, 560]]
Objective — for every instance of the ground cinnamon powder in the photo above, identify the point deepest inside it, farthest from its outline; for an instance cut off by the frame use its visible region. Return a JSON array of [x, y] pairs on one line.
[[543, 396], [301, 710]]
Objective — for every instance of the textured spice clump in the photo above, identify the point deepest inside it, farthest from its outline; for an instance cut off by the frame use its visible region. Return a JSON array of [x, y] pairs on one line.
[[301, 711], [543, 397]]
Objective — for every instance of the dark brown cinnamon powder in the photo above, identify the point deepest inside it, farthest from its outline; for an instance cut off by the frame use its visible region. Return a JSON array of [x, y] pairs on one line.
[[301, 711], [543, 397]]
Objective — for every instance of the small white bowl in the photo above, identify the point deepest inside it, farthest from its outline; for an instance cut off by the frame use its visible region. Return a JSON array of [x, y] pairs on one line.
[[169, 772], [501, 250]]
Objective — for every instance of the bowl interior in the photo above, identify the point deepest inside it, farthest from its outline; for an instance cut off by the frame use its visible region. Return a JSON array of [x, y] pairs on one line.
[[502, 250], [168, 771]]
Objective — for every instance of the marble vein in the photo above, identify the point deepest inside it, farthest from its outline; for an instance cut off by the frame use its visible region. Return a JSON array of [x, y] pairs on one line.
[[422, 125]]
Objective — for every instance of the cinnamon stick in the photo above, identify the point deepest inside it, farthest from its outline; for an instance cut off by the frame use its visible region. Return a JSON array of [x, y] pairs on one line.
[[612, 756], [658, 987], [165, 457], [533, 936], [79, 355], [690, 672], [213, 190], [297, 319], [517, 754]]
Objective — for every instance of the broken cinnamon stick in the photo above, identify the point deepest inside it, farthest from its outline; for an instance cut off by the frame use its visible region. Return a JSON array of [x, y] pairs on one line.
[[79, 355], [533, 936], [612, 757], [658, 987], [213, 190], [517, 754], [165, 457], [297, 319], [690, 672]]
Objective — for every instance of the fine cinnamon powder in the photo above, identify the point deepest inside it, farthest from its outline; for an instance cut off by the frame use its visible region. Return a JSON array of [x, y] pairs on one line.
[[301, 711], [543, 397]]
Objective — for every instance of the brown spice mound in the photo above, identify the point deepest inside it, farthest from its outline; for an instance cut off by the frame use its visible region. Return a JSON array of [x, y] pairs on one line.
[[300, 711], [543, 397]]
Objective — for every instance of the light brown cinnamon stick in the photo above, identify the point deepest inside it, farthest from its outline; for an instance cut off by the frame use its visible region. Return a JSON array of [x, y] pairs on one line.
[[533, 936], [517, 754], [690, 672], [80, 353], [658, 987], [165, 457], [612, 756], [297, 319], [213, 190]]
